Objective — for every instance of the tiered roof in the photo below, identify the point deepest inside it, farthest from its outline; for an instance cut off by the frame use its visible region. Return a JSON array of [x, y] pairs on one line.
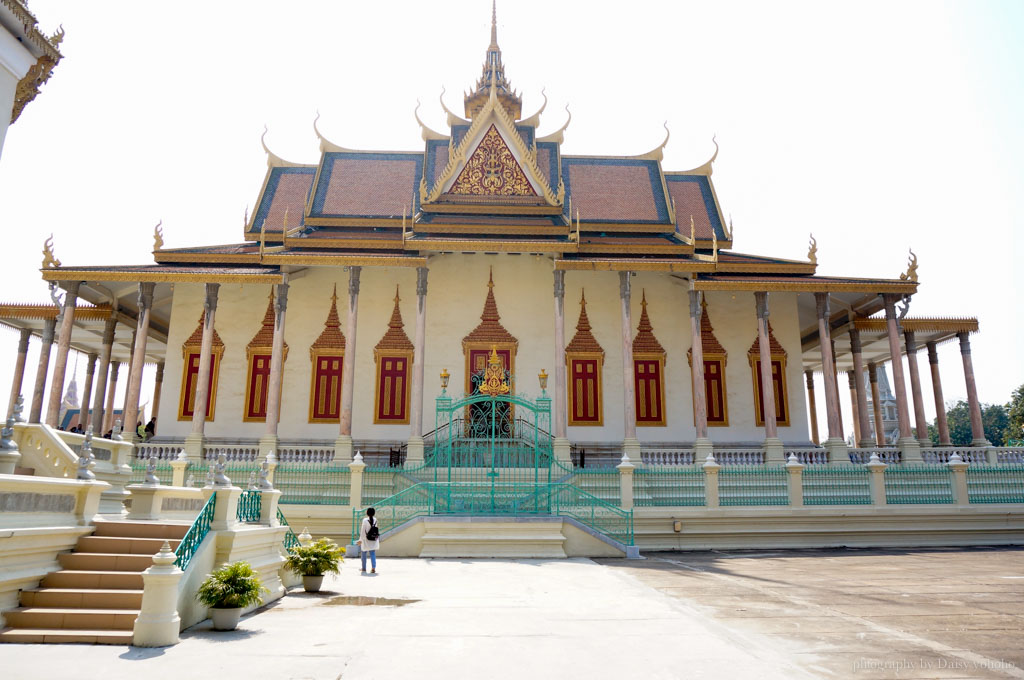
[[395, 338], [331, 339], [584, 341], [490, 330], [645, 342]]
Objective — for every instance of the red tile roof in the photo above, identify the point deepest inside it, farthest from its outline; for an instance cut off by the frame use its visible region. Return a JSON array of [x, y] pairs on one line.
[[395, 337], [331, 338], [374, 187], [292, 191], [490, 329], [689, 201], [612, 192], [645, 342], [584, 340]]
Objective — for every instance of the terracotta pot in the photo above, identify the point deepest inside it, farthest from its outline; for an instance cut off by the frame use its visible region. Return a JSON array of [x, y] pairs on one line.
[[225, 619], [312, 583]]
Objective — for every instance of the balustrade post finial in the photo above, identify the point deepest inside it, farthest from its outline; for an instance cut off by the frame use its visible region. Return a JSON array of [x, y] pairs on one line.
[[151, 478]]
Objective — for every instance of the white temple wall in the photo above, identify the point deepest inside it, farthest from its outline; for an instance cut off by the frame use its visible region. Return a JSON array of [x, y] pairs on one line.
[[457, 287]]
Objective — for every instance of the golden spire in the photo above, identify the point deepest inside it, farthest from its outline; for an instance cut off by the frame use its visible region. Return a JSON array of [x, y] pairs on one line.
[[493, 77], [494, 25]]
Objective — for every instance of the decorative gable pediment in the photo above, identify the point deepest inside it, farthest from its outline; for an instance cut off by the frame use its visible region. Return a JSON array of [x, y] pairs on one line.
[[492, 170]]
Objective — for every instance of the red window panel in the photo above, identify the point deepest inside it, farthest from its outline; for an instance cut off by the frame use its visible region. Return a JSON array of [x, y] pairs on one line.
[[781, 412], [586, 391], [391, 388], [714, 390], [259, 380], [327, 388], [192, 383], [647, 387]]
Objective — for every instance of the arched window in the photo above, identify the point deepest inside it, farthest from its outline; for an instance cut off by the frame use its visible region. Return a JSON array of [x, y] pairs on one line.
[[190, 351], [648, 372], [393, 356], [584, 358], [327, 355]]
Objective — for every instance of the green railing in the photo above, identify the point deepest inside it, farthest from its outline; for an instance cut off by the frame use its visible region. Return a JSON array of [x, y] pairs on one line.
[[838, 484], [918, 484], [378, 484], [995, 483], [312, 484], [164, 472], [600, 482], [500, 499], [753, 485], [290, 539], [196, 533], [666, 486], [249, 505]]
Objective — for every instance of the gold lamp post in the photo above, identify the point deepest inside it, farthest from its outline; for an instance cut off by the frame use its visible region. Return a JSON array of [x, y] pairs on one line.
[[444, 379], [542, 377]]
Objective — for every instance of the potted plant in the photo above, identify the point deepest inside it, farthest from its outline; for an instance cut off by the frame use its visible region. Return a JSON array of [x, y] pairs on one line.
[[313, 561], [229, 590]]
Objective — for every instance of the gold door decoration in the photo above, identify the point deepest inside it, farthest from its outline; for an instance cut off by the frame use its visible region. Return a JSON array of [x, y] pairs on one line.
[[492, 170], [494, 383]]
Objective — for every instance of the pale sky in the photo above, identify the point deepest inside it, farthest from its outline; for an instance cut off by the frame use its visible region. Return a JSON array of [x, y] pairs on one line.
[[877, 126]]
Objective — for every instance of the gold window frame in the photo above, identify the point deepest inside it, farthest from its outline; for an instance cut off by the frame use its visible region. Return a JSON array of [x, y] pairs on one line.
[[216, 355], [660, 358], [378, 355], [571, 401], [755, 369], [315, 355]]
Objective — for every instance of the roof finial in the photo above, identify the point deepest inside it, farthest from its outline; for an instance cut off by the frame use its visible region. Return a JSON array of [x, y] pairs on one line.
[[334, 295], [812, 250], [911, 273], [158, 236], [494, 23], [490, 278]]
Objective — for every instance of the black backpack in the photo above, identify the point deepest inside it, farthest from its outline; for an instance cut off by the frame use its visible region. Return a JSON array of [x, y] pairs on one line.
[[373, 533]]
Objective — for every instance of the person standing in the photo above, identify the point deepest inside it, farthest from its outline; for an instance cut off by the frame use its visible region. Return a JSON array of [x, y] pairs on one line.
[[369, 541]]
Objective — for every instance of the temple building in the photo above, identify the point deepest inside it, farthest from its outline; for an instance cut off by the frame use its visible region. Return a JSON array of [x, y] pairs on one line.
[[367, 281]]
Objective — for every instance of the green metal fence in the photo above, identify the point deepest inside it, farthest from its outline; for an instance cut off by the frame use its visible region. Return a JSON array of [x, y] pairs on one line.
[[667, 486], [379, 483], [602, 483], [753, 485], [249, 505], [918, 484], [839, 484], [312, 484], [290, 539], [995, 483], [196, 533]]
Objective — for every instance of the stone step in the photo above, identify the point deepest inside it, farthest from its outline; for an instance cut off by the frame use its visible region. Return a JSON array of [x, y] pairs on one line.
[[122, 545], [60, 635], [72, 619], [85, 561], [90, 598], [26, 471], [141, 530], [493, 538], [69, 578]]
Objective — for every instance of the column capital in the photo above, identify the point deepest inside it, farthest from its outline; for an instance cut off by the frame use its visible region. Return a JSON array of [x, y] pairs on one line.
[[160, 372], [821, 301], [809, 376], [852, 375], [965, 342], [281, 298], [146, 295], [695, 300], [109, 327], [855, 344], [72, 293], [49, 328], [911, 342], [890, 300], [559, 283], [91, 357], [210, 304], [761, 302], [353, 280], [421, 281], [26, 333], [624, 284], [873, 371], [933, 354]]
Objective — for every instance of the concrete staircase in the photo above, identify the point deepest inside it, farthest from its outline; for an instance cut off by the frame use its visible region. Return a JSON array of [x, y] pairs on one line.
[[96, 596], [493, 538]]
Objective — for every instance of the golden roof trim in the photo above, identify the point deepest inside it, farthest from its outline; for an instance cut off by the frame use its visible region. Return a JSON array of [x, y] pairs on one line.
[[686, 266], [345, 260], [902, 287], [924, 324], [69, 274], [504, 246]]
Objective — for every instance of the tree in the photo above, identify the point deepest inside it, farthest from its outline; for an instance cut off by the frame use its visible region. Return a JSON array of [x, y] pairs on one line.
[[1015, 416], [993, 419]]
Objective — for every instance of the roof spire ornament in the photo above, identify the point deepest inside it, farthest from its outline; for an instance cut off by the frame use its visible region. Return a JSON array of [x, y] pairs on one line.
[[494, 24], [812, 251], [911, 273], [49, 261], [493, 73], [158, 236]]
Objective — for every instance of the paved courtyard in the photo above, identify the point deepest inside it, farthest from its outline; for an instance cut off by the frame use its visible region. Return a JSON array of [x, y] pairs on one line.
[[784, 614]]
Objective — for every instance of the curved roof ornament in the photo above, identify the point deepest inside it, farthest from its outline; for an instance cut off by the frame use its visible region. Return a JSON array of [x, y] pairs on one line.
[[657, 153], [425, 132], [453, 118], [705, 168], [326, 144], [558, 136], [534, 120], [273, 160]]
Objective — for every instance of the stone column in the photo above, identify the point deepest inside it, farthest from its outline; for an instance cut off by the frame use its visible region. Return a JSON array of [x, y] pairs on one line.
[[36, 410], [60, 363], [940, 404], [630, 444], [194, 440], [158, 384], [90, 377], [835, 371], [910, 448], [773, 451], [108, 415], [876, 404], [343, 444], [857, 433], [561, 443], [702, 445], [101, 376], [915, 389], [809, 375], [268, 442], [19, 369], [977, 429], [128, 376], [131, 413], [414, 448], [835, 444], [861, 402]]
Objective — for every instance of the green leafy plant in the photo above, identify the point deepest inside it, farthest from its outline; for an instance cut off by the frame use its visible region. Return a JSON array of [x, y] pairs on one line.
[[233, 585], [316, 559]]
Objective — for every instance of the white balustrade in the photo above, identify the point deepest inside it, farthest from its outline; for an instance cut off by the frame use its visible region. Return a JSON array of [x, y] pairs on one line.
[[667, 456], [968, 454], [739, 456], [1008, 455], [232, 452], [305, 454], [886, 455], [161, 451], [809, 455]]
